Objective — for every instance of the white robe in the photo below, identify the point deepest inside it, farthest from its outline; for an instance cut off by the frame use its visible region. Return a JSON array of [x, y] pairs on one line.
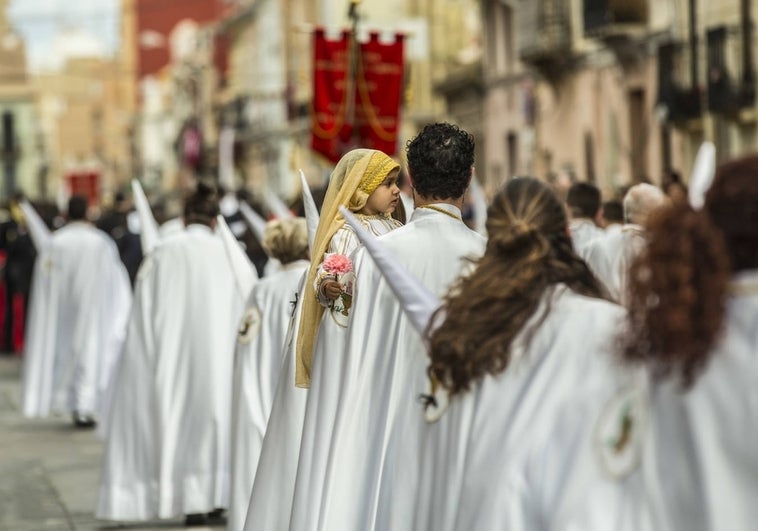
[[363, 420], [583, 231], [77, 323], [611, 256], [518, 450], [168, 442], [705, 473], [271, 500], [258, 362], [271, 495]]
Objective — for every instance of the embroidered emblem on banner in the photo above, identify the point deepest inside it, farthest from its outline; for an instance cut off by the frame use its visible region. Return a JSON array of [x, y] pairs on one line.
[[620, 432], [249, 326]]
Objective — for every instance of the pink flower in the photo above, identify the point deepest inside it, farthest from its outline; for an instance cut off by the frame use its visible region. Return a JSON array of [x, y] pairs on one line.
[[337, 264]]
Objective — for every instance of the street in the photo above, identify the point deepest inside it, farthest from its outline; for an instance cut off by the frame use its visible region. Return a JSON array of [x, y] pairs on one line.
[[49, 471]]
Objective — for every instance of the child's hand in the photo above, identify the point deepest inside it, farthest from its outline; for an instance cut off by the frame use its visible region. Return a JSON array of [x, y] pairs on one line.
[[331, 289]]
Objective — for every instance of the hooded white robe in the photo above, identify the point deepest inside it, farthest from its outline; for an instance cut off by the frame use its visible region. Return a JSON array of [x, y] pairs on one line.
[[273, 490], [79, 308], [363, 421], [521, 450], [611, 256], [168, 443], [258, 362], [705, 473]]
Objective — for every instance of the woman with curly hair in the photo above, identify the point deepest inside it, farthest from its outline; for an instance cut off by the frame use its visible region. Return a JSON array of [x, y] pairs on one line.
[[523, 351], [693, 323]]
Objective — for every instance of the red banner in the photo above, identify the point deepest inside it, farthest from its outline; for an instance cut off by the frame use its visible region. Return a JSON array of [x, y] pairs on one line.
[[86, 183], [329, 131], [367, 115], [379, 89]]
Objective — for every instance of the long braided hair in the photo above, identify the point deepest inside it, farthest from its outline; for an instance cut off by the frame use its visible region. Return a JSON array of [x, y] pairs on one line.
[[529, 250]]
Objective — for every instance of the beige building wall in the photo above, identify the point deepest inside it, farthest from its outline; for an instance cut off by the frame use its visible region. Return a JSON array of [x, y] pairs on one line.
[[591, 107], [85, 121]]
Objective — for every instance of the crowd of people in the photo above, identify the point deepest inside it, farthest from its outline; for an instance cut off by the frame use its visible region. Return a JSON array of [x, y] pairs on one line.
[[588, 365]]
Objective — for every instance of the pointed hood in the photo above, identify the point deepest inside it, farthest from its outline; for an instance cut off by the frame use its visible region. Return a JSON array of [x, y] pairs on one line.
[[149, 235], [311, 211], [418, 303], [702, 175], [37, 228], [245, 275]]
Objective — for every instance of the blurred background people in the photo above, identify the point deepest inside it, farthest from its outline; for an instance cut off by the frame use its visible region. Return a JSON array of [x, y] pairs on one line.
[[583, 200], [610, 256], [168, 441], [19, 255], [79, 310]]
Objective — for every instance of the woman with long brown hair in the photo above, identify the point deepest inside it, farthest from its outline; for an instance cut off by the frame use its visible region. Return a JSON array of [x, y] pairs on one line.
[[693, 323], [525, 338]]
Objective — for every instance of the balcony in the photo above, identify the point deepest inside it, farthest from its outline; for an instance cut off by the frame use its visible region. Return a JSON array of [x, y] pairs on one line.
[[679, 99], [614, 19], [545, 35], [731, 83]]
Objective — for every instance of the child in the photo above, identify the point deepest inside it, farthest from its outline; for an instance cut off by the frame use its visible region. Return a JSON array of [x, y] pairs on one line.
[[365, 181]]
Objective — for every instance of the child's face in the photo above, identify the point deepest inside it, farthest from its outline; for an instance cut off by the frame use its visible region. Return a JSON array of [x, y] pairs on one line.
[[385, 197]]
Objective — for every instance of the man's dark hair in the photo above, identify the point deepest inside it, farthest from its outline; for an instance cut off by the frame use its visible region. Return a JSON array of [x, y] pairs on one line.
[[77, 208], [613, 211], [440, 160], [202, 205], [584, 200]]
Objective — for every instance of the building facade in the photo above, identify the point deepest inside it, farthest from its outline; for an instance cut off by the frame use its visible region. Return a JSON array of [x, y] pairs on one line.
[[268, 97], [21, 160], [615, 92]]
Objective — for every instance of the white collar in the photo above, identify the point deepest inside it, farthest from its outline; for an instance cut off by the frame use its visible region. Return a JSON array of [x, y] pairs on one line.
[[744, 283], [198, 228], [433, 209]]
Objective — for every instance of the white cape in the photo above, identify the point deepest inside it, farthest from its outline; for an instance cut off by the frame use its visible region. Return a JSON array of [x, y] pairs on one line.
[[271, 497], [522, 450], [365, 426], [583, 231], [705, 475], [611, 256], [273, 492], [168, 441], [79, 307], [258, 362]]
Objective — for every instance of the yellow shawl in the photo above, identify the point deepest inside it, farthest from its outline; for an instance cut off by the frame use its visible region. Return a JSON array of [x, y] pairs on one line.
[[358, 173]]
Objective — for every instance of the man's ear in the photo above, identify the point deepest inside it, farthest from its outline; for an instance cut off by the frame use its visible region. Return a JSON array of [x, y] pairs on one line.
[[410, 178], [599, 217]]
